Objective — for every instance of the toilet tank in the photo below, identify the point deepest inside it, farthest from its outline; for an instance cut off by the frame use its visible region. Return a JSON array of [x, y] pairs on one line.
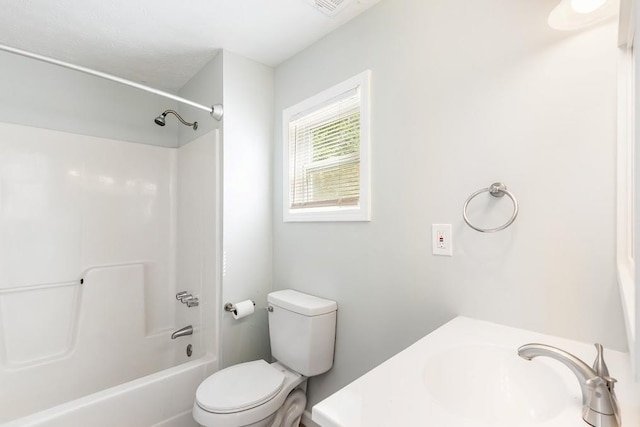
[[302, 330]]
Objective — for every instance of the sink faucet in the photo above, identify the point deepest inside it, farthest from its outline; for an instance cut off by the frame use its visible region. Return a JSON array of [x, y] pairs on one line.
[[187, 330], [599, 403]]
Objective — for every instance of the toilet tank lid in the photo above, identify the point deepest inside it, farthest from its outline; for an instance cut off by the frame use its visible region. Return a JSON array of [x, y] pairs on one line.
[[307, 305]]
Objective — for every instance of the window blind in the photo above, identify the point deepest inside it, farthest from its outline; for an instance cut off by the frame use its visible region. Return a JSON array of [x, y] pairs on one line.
[[324, 154]]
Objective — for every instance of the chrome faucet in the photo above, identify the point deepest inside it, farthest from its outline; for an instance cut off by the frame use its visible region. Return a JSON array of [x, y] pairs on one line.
[[187, 330], [599, 403]]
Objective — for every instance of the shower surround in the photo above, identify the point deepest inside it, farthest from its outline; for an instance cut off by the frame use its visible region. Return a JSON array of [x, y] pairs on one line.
[[94, 236]]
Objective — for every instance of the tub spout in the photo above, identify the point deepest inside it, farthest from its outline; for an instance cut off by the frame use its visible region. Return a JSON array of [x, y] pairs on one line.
[[187, 330]]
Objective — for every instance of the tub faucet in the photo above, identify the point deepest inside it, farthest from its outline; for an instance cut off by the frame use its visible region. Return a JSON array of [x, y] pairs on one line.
[[599, 404], [187, 330]]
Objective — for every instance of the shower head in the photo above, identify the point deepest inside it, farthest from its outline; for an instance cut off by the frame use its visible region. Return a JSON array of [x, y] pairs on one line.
[[160, 120]]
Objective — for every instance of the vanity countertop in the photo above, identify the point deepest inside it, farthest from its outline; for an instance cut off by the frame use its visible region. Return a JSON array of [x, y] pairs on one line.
[[400, 391]]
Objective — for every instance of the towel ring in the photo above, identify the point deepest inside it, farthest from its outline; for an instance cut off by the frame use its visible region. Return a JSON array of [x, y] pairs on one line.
[[497, 189]]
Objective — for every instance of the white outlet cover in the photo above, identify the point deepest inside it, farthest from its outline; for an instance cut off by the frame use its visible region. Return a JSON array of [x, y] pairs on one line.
[[442, 239]]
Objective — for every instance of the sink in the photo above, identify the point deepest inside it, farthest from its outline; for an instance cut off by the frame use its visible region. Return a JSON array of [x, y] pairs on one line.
[[467, 373], [491, 384]]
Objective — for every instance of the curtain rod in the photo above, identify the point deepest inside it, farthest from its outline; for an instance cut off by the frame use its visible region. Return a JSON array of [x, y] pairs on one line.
[[216, 111]]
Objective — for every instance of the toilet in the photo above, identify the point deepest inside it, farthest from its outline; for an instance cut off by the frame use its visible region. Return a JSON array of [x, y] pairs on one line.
[[259, 394]]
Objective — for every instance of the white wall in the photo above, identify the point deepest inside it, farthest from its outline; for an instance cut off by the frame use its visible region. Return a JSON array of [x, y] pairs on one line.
[[70, 202], [247, 204], [199, 247], [34, 93], [463, 94], [76, 207], [198, 215]]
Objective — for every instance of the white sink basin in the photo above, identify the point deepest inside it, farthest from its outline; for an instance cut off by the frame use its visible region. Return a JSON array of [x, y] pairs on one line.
[[492, 384], [467, 373]]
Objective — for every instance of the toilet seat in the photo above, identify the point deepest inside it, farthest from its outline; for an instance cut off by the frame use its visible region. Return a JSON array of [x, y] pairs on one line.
[[240, 387]]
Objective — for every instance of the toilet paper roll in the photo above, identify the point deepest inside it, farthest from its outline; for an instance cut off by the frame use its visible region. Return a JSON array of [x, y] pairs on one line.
[[243, 309]]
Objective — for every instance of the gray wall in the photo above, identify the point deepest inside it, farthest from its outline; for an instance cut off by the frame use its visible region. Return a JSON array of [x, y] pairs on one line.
[[463, 94], [204, 88], [245, 88], [247, 205], [38, 94]]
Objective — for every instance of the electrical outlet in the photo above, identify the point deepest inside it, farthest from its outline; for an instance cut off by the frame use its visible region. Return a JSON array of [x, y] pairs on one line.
[[442, 239]]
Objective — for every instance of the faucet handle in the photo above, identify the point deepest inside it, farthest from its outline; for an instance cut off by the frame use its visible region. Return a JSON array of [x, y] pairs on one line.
[[599, 365]]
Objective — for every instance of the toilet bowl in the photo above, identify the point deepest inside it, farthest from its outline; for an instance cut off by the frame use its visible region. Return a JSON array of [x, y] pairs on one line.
[[258, 394], [249, 394]]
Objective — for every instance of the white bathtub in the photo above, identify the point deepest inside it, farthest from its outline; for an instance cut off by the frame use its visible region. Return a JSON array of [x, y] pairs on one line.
[[163, 399], [98, 237], [60, 343]]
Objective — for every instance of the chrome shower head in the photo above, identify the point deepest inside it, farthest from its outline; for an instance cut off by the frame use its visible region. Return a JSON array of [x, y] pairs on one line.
[[160, 120]]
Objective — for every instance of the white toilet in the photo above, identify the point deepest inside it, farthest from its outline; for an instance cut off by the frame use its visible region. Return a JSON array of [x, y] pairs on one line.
[[258, 394]]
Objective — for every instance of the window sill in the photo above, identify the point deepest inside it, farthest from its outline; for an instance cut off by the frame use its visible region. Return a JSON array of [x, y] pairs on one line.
[[327, 215]]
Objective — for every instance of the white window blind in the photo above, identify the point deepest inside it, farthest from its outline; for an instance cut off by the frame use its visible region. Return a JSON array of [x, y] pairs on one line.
[[324, 154]]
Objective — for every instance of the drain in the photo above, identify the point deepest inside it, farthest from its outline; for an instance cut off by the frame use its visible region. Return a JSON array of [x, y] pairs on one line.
[[189, 350]]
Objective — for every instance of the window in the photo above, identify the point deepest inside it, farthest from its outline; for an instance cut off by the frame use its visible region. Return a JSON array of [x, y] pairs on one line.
[[326, 155]]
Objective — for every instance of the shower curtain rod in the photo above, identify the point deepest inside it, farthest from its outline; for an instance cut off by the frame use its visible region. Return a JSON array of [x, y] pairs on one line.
[[216, 111]]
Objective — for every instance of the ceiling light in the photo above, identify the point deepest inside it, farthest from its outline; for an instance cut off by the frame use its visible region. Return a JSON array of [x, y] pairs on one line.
[[572, 15]]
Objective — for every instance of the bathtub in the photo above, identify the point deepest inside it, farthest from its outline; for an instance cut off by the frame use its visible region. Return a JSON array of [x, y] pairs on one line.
[[163, 399], [98, 238], [93, 363]]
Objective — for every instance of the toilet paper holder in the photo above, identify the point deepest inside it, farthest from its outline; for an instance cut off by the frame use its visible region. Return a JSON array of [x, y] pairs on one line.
[[231, 307]]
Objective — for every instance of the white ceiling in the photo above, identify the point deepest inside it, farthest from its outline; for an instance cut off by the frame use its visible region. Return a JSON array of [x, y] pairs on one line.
[[163, 43]]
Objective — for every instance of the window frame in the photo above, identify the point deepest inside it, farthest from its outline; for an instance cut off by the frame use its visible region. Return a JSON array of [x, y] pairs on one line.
[[360, 212]]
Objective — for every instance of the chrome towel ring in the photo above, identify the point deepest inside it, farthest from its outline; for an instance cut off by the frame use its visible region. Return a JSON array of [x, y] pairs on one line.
[[497, 189]]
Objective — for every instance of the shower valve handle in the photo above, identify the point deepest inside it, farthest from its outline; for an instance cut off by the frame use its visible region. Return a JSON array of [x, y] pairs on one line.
[[187, 298]]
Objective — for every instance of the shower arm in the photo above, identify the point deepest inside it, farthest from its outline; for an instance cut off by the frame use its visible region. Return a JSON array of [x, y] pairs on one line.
[[194, 124], [216, 111]]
